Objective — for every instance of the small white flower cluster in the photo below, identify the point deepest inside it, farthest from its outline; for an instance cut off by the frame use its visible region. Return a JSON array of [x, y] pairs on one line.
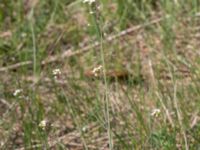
[[56, 73], [43, 124], [89, 1], [96, 70], [17, 92], [155, 112]]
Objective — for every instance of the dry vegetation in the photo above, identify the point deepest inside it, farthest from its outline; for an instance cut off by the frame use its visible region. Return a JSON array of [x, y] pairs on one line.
[[107, 75]]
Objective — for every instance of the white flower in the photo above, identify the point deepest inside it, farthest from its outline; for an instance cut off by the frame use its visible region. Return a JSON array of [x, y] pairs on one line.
[[43, 124], [89, 1], [155, 112], [96, 70], [17, 92], [56, 73], [84, 129]]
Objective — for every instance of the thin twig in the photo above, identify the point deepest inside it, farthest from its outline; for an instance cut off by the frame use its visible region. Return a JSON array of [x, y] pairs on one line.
[[17, 65], [72, 52], [3, 101]]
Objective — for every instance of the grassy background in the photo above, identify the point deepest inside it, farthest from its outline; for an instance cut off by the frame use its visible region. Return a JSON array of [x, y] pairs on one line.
[[154, 67]]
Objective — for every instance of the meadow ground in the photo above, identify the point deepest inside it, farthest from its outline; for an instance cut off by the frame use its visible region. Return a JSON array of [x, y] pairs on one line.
[[100, 74]]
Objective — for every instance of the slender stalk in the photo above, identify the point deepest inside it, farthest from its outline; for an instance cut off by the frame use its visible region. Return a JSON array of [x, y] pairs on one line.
[[98, 23], [106, 94], [33, 42]]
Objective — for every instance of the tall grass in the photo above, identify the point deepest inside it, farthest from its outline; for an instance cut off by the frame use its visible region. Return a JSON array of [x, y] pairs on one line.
[[67, 105]]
